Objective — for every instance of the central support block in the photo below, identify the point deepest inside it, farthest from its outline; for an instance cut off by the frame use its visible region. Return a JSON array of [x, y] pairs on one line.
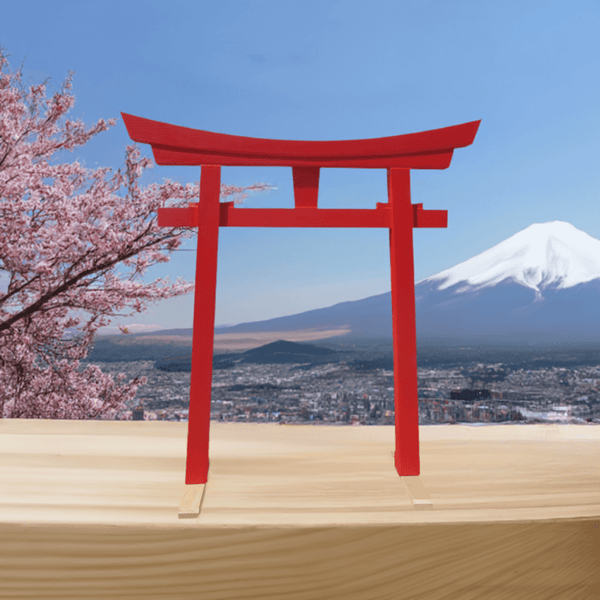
[[306, 186]]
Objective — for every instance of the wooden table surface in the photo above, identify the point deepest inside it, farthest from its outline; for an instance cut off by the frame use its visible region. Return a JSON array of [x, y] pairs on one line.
[[88, 509]]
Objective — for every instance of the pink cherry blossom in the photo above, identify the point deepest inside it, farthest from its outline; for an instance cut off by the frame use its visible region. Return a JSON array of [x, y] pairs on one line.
[[64, 229]]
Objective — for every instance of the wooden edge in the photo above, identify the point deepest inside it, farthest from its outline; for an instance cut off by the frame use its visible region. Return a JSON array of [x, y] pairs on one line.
[[416, 490], [191, 502]]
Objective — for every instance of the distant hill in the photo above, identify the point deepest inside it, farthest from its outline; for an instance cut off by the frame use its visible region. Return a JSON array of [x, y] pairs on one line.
[[284, 350], [279, 352], [361, 356]]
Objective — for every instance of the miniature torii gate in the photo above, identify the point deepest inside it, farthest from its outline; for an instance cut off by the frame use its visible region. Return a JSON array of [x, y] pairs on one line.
[[174, 145]]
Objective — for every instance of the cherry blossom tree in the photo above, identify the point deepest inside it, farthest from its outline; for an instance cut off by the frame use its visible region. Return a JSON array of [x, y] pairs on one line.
[[64, 230]]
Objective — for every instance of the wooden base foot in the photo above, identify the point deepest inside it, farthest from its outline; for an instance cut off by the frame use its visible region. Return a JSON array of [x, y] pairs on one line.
[[192, 501], [416, 490]]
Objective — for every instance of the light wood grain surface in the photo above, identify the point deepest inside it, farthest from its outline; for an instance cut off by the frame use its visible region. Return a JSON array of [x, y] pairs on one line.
[[90, 510]]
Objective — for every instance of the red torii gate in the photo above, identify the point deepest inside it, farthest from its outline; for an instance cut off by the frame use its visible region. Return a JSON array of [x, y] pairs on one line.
[[174, 145]]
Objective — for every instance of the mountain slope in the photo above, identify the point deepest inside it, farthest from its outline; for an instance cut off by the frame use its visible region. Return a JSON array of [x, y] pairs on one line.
[[370, 317], [540, 285]]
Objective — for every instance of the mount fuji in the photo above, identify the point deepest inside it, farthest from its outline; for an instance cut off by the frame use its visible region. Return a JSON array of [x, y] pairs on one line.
[[539, 286]]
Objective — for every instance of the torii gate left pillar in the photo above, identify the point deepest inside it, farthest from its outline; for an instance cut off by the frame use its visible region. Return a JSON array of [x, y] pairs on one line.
[[175, 145]]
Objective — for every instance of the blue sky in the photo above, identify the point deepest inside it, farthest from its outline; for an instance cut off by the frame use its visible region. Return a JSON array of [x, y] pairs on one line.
[[339, 70]]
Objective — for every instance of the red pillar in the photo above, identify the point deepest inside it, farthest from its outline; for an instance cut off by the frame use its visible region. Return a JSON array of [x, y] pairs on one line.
[[204, 326], [406, 402]]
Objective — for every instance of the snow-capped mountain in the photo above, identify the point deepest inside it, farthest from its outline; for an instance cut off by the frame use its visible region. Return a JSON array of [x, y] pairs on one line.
[[541, 285], [553, 254]]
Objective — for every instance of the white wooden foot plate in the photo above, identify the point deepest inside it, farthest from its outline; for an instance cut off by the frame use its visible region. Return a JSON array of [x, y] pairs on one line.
[[416, 490], [192, 501]]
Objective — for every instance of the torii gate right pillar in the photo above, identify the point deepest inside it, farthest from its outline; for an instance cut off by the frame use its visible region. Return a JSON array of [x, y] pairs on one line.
[[406, 403]]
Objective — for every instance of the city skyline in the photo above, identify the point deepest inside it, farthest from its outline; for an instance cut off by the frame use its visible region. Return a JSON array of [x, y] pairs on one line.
[[338, 70]]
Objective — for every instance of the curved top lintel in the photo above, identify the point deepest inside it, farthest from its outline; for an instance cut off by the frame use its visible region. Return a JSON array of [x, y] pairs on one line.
[[183, 145]]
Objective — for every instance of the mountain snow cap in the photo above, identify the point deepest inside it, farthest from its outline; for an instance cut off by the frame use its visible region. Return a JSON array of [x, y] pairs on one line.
[[543, 254]]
